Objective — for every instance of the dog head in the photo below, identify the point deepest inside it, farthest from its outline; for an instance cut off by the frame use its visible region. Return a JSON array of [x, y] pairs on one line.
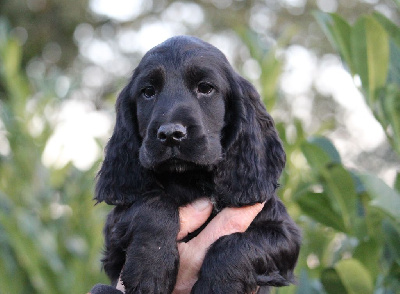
[[185, 109], [179, 90]]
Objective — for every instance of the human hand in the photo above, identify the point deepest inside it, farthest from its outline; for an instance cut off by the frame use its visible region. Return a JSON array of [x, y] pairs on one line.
[[191, 254]]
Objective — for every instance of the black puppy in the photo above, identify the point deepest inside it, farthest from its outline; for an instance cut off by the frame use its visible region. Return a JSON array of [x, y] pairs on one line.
[[188, 126]]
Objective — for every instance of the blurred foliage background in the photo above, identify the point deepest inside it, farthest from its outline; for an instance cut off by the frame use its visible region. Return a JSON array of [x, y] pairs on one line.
[[328, 71]]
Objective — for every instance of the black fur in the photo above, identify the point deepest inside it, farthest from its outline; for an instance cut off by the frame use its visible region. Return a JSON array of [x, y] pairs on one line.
[[226, 147]]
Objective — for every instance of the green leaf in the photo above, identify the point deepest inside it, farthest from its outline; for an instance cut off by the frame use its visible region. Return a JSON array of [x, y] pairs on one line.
[[332, 282], [359, 50], [394, 64], [378, 54], [338, 32], [28, 256], [338, 183], [370, 54], [355, 278], [368, 253], [383, 197], [392, 238], [318, 207], [392, 278], [317, 158], [391, 28], [340, 187], [373, 218], [397, 182], [11, 58], [390, 102], [326, 145], [271, 72]]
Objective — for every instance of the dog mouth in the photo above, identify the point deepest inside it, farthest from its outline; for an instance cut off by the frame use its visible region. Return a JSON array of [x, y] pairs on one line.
[[176, 165], [196, 156]]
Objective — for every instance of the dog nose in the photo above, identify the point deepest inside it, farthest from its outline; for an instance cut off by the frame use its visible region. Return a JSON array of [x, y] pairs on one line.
[[171, 134]]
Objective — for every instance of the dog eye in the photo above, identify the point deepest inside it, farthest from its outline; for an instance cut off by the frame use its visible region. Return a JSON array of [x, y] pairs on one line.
[[204, 88], [149, 91]]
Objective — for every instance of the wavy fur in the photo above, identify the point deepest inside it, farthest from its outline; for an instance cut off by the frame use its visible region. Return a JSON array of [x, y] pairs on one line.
[[232, 153]]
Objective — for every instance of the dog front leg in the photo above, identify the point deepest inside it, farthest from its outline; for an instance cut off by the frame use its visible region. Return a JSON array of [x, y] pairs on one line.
[[265, 255], [152, 258]]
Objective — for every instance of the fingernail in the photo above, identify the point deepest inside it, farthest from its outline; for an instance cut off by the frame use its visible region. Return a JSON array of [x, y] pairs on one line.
[[201, 204]]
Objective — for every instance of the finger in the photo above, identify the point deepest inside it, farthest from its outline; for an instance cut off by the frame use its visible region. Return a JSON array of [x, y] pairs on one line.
[[230, 220], [193, 215], [120, 286]]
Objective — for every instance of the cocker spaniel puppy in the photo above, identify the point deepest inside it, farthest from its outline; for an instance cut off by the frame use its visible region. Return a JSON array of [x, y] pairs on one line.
[[189, 126]]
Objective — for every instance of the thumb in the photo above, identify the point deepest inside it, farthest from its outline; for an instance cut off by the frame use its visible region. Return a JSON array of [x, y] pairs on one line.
[[193, 215], [230, 220]]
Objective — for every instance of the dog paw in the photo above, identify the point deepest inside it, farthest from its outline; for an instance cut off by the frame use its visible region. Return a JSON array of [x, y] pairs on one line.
[[149, 285], [150, 277], [217, 287], [152, 281]]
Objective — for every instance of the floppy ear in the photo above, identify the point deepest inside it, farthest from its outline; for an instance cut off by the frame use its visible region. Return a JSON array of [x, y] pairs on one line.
[[121, 176], [254, 156]]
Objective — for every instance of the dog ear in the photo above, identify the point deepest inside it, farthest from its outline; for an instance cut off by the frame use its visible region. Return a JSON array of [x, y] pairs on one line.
[[121, 176], [254, 157]]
